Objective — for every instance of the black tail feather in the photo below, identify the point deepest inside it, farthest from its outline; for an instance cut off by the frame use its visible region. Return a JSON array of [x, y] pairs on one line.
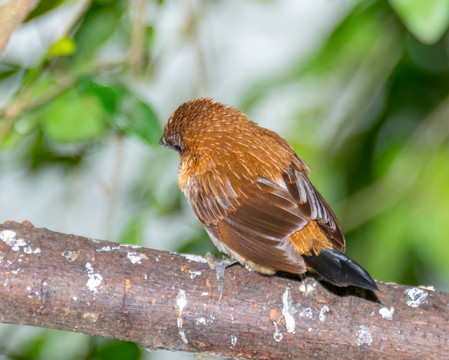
[[340, 270]]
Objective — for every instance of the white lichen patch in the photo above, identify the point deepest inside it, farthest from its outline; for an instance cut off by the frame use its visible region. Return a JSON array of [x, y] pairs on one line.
[[9, 238], [193, 258], [108, 248], [415, 296], [387, 313], [204, 321], [307, 312], [323, 311], [233, 340], [17, 243], [364, 336], [194, 274], [33, 293], [131, 246], [288, 310], [70, 255], [135, 257], [181, 302], [307, 288], [277, 336], [94, 280], [29, 250]]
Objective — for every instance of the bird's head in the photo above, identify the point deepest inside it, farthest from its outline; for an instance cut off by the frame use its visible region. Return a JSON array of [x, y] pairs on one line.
[[213, 138], [201, 126]]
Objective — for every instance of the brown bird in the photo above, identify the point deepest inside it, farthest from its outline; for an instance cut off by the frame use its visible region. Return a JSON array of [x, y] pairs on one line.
[[252, 194]]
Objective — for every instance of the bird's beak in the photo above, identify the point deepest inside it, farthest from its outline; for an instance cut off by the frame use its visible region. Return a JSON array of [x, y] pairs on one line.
[[162, 141]]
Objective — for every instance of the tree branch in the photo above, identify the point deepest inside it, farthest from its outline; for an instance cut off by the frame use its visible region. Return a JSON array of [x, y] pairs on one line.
[[164, 300], [11, 15]]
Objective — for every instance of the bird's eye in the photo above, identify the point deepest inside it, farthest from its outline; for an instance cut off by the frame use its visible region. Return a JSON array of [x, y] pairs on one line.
[[178, 148]]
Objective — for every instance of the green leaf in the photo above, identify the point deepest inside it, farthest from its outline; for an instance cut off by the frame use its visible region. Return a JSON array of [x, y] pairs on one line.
[[149, 38], [126, 112], [7, 70], [136, 117], [42, 7], [114, 349], [72, 117], [98, 25], [427, 20], [107, 94], [41, 152], [27, 123], [10, 139], [64, 47]]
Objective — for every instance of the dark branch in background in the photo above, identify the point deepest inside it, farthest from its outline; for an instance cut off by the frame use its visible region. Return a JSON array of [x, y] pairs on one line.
[[164, 300]]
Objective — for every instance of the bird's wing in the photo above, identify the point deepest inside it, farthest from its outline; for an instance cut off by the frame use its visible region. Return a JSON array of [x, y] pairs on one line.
[[312, 205], [258, 220]]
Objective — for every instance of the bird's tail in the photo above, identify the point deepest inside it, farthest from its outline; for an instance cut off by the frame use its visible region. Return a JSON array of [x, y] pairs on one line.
[[340, 270]]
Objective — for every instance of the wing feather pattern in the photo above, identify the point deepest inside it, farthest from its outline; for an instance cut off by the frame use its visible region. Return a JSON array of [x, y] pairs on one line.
[[257, 220], [313, 206]]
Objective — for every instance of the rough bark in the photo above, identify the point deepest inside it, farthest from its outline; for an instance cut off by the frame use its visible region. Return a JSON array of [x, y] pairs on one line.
[[11, 16], [164, 300]]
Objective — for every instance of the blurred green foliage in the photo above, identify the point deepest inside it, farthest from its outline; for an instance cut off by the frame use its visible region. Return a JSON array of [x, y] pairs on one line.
[[427, 20], [380, 84], [388, 145]]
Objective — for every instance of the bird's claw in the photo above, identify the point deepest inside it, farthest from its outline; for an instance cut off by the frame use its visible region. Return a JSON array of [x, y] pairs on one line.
[[219, 266]]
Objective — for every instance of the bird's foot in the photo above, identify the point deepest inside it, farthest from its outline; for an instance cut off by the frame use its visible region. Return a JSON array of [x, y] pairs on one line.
[[219, 266]]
